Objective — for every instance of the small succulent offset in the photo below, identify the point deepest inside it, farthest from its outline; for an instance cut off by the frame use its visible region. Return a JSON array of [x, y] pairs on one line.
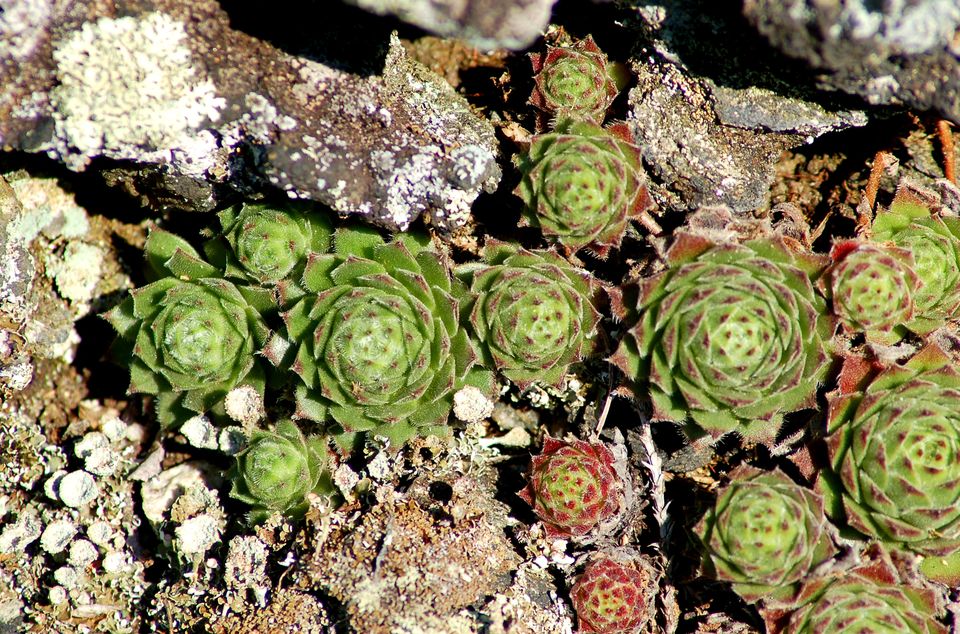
[[934, 241], [190, 336], [377, 339], [894, 448], [869, 598], [531, 312], [279, 468], [574, 487], [583, 184], [575, 81], [764, 535], [266, 243], [732, 336], [615, 594], [872, 287]]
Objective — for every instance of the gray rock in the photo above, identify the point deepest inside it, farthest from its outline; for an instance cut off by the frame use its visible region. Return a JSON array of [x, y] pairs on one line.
[[485, 24], [889, 52], [710, 114], [204, 111]]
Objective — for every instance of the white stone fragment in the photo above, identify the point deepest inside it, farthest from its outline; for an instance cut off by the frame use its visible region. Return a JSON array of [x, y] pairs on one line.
[[232, 440], [17, 536], [57, 535], [67, 576], [100, 533], [115, 562], [160, 491], [102, 462], [57, 595], [471, 405], [52, 485], [89, 443], [114, 428], [82, 553], [77, 489], [196, 535], [244, 405], [200, 432]]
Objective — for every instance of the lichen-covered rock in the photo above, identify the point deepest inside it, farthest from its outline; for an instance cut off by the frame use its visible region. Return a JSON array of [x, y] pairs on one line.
[[886, 52], [201, 109], [713, 113]]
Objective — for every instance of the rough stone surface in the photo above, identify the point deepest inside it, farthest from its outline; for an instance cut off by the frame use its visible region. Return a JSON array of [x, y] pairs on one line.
[[711, 116], [893, 52], [485, 24], [204, 112]]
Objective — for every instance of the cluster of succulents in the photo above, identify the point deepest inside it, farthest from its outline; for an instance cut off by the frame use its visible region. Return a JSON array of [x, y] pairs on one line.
[[581, 183], [368, 336]]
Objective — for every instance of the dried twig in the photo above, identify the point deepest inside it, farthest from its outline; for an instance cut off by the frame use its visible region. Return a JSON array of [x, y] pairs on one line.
[[946, 144], [654, 466]]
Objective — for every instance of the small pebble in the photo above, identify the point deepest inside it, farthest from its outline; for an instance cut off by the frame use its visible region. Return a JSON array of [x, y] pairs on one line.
[[114, 428], [114, 562], [82, 553], [57, 595], [102, 461], [52, 485], [200, 432], [244, 404], [232, 440], [57, 535], [77, 489], [67, 576], [89, 443], [471, 405], [196, 535], [100, 533]]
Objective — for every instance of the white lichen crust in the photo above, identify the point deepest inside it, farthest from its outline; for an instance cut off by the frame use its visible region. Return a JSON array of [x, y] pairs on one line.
[[128, 85]]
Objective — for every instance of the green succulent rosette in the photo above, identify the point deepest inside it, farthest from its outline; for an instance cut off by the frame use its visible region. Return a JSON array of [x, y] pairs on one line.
[[894, 450], [376, 340], [267, 243], [532, 314], [764, 535], [582, 185], [190, 336], [277, 470], [872, 287], [934, 242], [871, 597], [575, 81], [730, 337]]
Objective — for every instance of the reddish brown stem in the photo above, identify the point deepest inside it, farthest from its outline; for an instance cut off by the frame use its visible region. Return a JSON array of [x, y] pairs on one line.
[[946, 144], [873, 182]]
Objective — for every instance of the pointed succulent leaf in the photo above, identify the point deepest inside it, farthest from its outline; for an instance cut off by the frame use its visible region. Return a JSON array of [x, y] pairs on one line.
[[574, 487], [575, 81], [894, 451], [764, 534], [375, 339], [616, 594], [279, 468], [532, 314], [730, 337], [582, 185]]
